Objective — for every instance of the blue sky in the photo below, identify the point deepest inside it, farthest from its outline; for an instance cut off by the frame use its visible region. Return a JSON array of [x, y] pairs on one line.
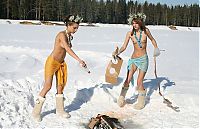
[[171, 2]]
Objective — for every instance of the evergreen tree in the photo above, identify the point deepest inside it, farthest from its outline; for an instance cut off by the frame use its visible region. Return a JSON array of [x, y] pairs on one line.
[[103, 11]]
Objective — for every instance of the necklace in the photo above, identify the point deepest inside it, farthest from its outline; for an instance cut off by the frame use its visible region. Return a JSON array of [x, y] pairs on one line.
[[138, 40], [69, 38]]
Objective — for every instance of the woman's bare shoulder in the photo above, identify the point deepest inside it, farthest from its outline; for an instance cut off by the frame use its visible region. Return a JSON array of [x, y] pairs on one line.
[[128, 33], [147, 29], [60, 34]]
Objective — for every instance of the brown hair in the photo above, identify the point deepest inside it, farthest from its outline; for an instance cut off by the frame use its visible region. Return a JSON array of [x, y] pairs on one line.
[[68, 22], [141, 24]]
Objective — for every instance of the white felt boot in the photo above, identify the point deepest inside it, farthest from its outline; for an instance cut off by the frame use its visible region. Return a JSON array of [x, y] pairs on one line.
[[141, 100], [121, 101], [60, 107], [37, 109]]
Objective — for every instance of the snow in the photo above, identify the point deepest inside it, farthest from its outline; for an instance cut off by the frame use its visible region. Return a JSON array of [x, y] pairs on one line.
[[23, 52]]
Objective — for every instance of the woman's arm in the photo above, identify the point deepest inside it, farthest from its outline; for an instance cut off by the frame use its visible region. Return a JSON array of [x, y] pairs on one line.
[[151, 38], [124, 46], [64, 44], [156, 49]]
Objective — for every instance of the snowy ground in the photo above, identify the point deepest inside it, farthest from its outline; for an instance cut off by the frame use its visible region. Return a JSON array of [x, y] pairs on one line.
[[24, 49]]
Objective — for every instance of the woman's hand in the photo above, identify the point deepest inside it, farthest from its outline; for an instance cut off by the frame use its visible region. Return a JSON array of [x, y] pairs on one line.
[[83, 64], [156, 52], [115, 53]]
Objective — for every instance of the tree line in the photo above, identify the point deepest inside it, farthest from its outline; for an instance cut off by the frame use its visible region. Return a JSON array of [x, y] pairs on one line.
[[100, 11]]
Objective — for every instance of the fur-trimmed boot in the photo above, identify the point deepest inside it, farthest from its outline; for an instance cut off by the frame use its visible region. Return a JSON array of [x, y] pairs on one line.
[[121, 101], [60, 107], [141, 99], [37, 109]]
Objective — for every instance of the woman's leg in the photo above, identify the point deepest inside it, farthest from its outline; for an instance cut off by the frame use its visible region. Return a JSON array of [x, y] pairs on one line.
[[41, 98], [60, 101], [121, 100], [130, 75], [140, 79], [59, 89], [141, 91], [47, 86]]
